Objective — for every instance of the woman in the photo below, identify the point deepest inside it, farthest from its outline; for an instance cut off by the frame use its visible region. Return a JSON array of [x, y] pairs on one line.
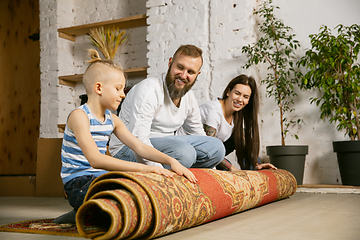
[[234, 120]]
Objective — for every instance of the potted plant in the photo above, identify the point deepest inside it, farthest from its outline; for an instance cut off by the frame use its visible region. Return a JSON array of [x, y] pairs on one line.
[[276, 47], [334, 70]]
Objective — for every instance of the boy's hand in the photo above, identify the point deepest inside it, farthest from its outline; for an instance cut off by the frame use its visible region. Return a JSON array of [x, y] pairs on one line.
[[183, 171], [158, 170]]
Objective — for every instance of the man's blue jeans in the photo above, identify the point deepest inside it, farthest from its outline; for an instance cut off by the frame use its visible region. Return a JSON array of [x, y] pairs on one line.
[[192, 151]]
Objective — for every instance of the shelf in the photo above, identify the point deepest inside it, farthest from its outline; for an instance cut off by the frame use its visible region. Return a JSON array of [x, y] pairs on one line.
[[61, 128], [71, 80], [70, 33]]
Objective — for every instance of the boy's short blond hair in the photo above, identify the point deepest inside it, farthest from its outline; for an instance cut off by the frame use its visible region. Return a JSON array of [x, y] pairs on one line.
[[93, 71]]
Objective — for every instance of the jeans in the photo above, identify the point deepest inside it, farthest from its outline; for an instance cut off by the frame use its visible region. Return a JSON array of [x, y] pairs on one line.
[[77, 188], [192, 151]]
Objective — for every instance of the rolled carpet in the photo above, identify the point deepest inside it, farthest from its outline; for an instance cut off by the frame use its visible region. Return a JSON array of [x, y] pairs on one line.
[[127, 205]]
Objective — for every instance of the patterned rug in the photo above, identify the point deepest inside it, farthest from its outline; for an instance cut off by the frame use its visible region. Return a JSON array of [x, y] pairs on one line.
[[143, 205], [42, 226], [133, 205]]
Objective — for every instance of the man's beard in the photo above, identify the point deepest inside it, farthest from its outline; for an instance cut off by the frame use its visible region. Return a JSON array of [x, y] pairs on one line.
[[174, 92]]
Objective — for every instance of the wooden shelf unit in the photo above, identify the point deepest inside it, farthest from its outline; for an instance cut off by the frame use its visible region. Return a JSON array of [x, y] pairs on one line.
[[70, 33], [61, 128], [71, 80]]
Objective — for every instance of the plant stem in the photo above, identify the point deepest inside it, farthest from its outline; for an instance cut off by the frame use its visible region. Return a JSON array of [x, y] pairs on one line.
[[277, 87], [282, 126]]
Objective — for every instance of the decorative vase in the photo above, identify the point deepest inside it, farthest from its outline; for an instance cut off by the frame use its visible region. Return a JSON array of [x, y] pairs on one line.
[[348, 156], [290, 158]]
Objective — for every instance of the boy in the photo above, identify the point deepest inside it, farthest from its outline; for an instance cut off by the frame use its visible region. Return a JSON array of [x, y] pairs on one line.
[[87, 132]]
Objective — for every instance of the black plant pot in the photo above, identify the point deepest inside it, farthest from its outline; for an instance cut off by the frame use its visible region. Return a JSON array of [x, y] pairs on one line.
[[290, 158], [348, 155]]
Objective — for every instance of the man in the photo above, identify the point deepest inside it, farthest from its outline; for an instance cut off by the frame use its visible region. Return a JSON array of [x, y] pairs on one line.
[[163, 112]]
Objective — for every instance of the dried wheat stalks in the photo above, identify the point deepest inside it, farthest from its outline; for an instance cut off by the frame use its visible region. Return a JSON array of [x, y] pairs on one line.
[[108, 40]]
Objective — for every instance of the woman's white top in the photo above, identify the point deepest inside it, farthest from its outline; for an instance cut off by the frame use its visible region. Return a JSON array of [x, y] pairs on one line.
[[212, 115]]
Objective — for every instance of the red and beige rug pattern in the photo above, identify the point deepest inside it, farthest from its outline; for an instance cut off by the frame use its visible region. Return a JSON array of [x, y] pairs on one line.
[[123, 205], [132, 205], [42, 226]]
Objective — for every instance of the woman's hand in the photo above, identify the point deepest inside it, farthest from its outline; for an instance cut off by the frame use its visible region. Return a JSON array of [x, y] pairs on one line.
[[234, 169], [183, 171], [265, 166]]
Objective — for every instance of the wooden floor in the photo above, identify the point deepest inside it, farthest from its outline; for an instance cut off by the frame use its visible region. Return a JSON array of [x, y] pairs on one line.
[[326, 186], [310, 216]]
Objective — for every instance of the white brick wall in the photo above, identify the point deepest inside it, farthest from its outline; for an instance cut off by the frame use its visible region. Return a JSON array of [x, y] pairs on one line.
[[173, 23], [131, 55], [48, 67], [220, 28], [62, 57]]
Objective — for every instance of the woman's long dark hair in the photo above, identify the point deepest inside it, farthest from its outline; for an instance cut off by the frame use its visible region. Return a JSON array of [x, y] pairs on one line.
[[246, 122]]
